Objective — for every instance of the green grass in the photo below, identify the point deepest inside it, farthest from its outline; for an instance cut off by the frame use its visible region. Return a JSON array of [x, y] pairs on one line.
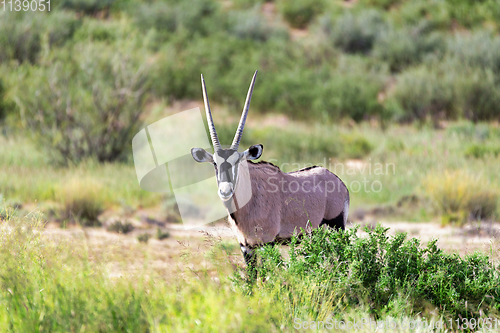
[[379, 167], [65, 284], [28, 176]]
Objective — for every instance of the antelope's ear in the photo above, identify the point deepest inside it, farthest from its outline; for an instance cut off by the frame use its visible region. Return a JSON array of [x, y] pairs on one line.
[[253, 152], [201, 155]]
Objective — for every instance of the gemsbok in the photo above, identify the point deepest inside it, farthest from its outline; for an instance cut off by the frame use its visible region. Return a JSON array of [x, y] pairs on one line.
[[280, 203]]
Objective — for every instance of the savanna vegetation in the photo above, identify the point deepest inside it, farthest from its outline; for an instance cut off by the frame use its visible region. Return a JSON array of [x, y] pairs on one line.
[[399, 98]]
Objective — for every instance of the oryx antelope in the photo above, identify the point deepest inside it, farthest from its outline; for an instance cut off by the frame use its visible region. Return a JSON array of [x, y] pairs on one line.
[[280, 203]]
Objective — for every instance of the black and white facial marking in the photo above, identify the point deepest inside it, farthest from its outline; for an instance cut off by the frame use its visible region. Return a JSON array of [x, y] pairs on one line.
[[226, 168], [226, 163]]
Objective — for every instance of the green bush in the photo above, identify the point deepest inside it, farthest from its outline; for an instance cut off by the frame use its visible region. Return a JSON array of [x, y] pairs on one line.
[[102, 31], [383, 4], [479, 49], [468, 131], [23, 33], [121, 228], [227, 63], [61, 27], [250, 24], [358, 33], [161, 235], [246, 4], [445, 91], [86, 7], [349, 95], [379, 272], [20, 38], [85, 104], [144, 237], [470, 13], [299, 13], [181, 20], [4, 105], [482, 150], [356, 146], [479, 96], [435, 13], [405, 47], [200, 17], [82, 201], [424, 92], [161, 16]]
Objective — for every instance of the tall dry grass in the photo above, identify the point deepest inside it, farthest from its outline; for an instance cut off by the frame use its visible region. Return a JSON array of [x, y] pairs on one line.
[[460, 195], [82, 200]]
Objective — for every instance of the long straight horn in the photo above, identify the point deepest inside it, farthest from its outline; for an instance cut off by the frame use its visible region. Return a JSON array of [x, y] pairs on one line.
[[241, 125], [211, 127]]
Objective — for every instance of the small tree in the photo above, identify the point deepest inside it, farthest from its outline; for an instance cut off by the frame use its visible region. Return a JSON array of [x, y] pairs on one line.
[[86, 103]]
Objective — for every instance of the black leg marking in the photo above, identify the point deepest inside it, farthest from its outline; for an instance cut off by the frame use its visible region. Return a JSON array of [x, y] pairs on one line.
[[235, 221], [251, 260], [335, 223]]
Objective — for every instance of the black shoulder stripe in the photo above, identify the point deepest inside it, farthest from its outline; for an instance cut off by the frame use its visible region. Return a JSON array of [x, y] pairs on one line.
[[234, 218], [265, 162], [305, 169]]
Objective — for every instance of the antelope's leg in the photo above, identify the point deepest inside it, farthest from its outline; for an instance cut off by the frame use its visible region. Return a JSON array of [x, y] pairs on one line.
[[249, 255]]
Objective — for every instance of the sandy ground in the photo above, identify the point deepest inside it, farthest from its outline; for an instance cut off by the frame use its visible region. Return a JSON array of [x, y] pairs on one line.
[[188, 251]]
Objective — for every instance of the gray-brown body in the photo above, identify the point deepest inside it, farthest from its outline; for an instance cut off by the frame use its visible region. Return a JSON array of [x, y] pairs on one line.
[[283, 203]]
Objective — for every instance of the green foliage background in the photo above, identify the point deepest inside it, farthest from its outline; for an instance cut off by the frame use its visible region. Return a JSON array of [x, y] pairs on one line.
[[413, 83]]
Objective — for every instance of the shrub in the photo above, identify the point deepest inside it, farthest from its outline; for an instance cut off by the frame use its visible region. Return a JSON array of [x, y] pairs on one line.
[[461, 194], [246, 4], [421, 93], [479, 49], [357, 34], [173, 215], [467, 130], [436, 13], [478, 95], [161, 16], [22, 33], [61, 27], [349, 95], [161, 235], [402, 48], [183, 20], [299, 13], [121, 228], [86, 104], [226, 62], [343, 271], [20, 38], [82, 201], [356, 146], [470, 13], [144, 237], [199, 17], [4, 105], [250, 24], [102, 31], [384, 4], [482, 150], [445, 90], [86, 7]]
